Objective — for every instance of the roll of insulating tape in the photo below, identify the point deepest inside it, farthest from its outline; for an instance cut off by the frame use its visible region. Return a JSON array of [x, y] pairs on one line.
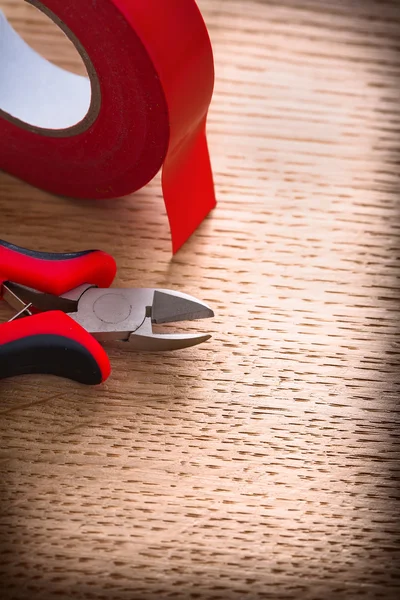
[[142, 108]]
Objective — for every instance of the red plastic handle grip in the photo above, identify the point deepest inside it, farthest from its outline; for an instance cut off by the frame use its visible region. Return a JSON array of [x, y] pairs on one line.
[[55, 273], [52, 344]]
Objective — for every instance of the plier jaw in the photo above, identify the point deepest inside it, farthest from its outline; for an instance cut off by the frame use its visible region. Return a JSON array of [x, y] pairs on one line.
[[129, 314], [77, 321], [121, 315]]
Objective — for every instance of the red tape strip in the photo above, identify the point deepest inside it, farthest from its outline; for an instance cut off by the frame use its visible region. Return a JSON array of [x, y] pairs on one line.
[[151, 63]]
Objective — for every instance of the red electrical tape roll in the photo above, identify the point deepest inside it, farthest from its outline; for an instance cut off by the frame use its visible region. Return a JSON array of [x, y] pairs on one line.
[[150, 66]]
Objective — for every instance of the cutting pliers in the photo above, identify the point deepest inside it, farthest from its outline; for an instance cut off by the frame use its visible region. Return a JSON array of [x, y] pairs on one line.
[[66, 309]]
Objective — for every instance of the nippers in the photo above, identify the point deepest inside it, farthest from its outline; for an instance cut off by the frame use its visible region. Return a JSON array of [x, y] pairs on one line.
[[66, 309]]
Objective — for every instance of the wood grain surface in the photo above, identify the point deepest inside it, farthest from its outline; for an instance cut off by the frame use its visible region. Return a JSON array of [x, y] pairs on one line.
[[265, 463]]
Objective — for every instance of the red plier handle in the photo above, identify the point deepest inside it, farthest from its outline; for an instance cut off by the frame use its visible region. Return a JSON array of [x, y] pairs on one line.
[[51, 342], [54, 273]]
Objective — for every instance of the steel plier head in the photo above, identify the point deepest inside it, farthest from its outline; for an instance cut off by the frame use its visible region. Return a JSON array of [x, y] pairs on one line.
[[66, 310]]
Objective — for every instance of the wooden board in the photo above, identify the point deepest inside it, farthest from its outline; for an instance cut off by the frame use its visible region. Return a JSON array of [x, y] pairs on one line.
[[265, 463]]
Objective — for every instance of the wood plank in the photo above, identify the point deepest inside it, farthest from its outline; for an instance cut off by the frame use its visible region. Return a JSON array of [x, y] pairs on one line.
[[264, 464]]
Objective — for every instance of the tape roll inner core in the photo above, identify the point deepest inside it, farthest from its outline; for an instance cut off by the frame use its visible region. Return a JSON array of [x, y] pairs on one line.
[[38, 95]]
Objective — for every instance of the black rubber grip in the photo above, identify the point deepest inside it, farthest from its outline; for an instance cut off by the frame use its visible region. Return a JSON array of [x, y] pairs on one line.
[[45, 255], [49, 354]]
